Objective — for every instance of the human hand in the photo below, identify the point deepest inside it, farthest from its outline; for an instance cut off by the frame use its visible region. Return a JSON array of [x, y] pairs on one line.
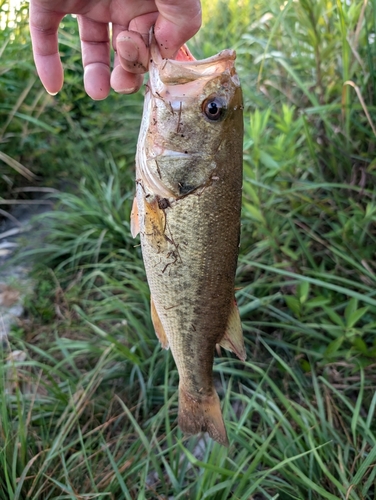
[[175, 22]]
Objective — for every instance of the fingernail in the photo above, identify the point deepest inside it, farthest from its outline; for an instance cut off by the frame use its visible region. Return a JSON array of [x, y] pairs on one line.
[[51, 93], [132, 90], [127, 49]]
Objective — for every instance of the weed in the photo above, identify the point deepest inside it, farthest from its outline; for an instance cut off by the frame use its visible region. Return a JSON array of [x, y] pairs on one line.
[[89, 401]]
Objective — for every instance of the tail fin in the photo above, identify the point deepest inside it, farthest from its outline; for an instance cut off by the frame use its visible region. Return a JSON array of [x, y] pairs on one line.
[[202, 415]]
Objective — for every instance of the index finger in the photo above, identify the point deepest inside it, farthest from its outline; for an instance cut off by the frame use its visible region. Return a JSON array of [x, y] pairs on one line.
[[177, 22], [43, 29]]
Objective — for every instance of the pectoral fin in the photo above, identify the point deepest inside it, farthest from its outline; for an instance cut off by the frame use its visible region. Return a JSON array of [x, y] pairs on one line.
[[233, 338], [155, 225], [158, 327], [135, 222]]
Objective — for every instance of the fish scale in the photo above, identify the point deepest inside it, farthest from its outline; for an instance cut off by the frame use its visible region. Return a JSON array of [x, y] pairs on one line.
[[187, 211]]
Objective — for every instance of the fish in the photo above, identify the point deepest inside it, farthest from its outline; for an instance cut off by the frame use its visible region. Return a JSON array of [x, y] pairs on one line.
[[187, 211]]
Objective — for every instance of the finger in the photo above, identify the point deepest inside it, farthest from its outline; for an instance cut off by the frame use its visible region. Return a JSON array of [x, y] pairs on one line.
[[132, 44], [177, 22], [124, 82], [43, 30], [133, 51], [95, 47]]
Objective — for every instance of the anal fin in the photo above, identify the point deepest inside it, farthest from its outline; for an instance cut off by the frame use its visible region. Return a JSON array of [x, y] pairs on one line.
[[158, 327], [233, 338]]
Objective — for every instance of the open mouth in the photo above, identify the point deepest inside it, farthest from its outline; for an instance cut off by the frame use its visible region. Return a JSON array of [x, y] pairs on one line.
[[185, 68], [184, 54]]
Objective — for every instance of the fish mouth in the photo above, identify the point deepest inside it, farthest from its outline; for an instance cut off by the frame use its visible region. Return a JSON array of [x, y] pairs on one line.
[[185, 68]]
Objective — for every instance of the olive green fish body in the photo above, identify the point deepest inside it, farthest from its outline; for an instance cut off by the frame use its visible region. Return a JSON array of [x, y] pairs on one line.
[[188, 201]]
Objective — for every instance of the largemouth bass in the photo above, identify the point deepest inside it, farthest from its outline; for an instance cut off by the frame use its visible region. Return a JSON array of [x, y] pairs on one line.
[[187, 211]]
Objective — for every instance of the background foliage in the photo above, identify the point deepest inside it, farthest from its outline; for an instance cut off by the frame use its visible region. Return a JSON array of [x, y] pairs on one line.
[[89, 399]]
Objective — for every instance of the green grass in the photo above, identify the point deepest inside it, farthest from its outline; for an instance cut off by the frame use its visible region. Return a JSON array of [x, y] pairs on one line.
[[314, 443], [89, 410]]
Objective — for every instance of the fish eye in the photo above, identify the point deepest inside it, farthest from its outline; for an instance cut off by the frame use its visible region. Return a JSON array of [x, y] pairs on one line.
[[214, 108]]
